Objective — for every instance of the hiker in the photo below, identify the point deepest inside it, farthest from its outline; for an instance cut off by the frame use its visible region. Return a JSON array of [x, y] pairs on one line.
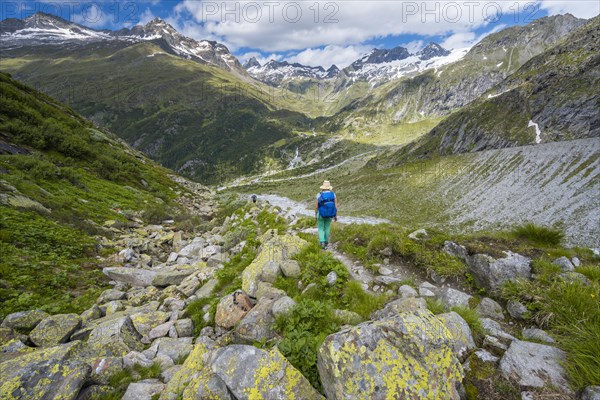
[[325, 211]]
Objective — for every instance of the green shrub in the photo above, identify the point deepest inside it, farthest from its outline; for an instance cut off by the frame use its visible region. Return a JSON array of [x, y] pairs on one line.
[[156, 213], [592, 272], [435, 306], [303, 330], [539, 235], [356, 299]]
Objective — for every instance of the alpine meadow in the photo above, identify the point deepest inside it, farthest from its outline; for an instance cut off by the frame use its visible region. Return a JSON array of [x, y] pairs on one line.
[[278, 200]]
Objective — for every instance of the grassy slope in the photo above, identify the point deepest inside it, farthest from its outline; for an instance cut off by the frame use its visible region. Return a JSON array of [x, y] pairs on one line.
[[55, 199], [173, 109]]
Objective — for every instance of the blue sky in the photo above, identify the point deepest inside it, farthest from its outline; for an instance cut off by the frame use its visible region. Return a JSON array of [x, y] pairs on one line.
[[313, 32]]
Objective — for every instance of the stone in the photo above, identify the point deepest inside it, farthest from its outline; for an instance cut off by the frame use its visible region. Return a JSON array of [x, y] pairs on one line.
[[331, 278], [418, 234], [386, 280], [564, 263], [103, 368], [206, 290], [193, 249], [401, 357], [141, 296], [194, 380], [267, 289], [576, 262], [533, 365], [347, 317], [126, 255], [537, 334], [134, 358], [189, 285], [282, 306], [574, 277], [462, 342], [164, 279], [165, 362], [385, 271], [110, 295], [456, 250], [173, 332], [172, 258], [216, 260], [290, 268], [494, 345], [407, 291], [424, 292], [493, 328], [386, 252], [257, 324], [454, 298], [143, 390], [516, 310], [274, 248], [270, 272], [591, 393], [491, 274], [396, 307], [490, 309], [168, 373], [112, 307], [232, 308], [184, 327], [251, 373], [91, 314], [176, 349], [130, 276], [48, 373], [115, 338], [161, 330], [55, 329], [24, 321]]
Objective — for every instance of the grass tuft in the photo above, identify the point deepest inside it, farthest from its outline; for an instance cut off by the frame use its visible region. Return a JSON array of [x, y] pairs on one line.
[[539, 235]]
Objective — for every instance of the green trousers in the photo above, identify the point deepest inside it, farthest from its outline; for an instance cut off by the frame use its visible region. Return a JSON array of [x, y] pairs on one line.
[[324, 224]]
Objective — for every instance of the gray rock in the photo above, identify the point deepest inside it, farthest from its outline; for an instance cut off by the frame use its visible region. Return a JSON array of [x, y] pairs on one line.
[[55, 329], [407, 291], [574, 277], [48, 373], [130, 276], [161, 330], [164, 279], [127, 255], [462, 341], [424, 292], [184, 327], [91, 314], [490, 309], [172, 258], [493, 328], [115, 338], [591, 393], [418, 234], [396, 307], [376, 360], [386, 280], [189, 285], [110, 295], [347, 317], [332, 278], [206, 290], [176, 349], [112, 307], [429, 286], [537, 334], [290, 268], [168, 374], [516, 310], [240, 367], [564, 263], [173, 332], [491, 274], [282, 306], [456, 250], [146, 320], [266, 289], [24, 320], [270, 271], [385, 271], [387, 252], [257, 324], [193, 249], [534, 365], [576, 262], [494, 345], [143, 390], [486, 356], [134, 358], [454, 298]]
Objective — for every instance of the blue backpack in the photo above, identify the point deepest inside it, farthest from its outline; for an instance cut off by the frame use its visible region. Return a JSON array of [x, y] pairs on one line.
[[326, 204]]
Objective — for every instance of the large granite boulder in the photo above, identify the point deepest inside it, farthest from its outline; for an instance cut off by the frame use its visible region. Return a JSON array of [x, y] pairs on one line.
[[131, 276], [252, 373], [55, 329], [257, 325], [24, 321], [407, 356], [115, 338], [48, 373], [491, 274]]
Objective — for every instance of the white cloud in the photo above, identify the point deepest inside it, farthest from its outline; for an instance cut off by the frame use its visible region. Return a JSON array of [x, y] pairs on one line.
[[462, 40], [289, 25], [146, 17], [580, 9], [342, 56]]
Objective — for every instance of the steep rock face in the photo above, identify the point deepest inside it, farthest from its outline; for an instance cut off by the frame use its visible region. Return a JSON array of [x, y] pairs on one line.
[[409, 355], [275, 73]]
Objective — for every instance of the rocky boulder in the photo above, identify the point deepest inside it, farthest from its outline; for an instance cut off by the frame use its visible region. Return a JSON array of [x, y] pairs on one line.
[[454, 298], [257, 325], [115, 338], [462, 337], [401, 357], [490, 273], [399, 306], [252, 373], [168, 278], [131, 276], [55, 329], [534, 365], [49, 373], [24, 321]]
